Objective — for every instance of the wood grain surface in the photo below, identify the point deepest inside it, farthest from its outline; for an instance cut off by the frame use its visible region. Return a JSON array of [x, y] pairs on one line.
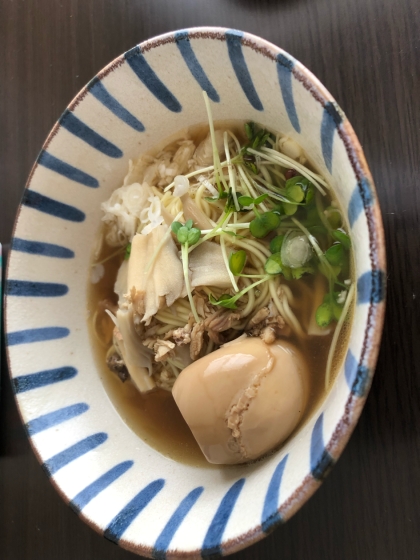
[[367, 53]]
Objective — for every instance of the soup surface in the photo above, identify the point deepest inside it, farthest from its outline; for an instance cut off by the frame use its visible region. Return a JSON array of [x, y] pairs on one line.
[[154, 416]]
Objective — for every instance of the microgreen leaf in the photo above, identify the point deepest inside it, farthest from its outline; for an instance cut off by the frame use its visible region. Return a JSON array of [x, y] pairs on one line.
[[324, 315], [220, 196], [263, 224], [127, 252], [175, 226], [193, 236], [335, 254], [182, 234], [273, 264], [289, 209], [260, 199], [245, 200], [237, 262], [342, 237], [299, 189], [297, 273], [295, 192], [276, 243], [333, 216], [228, 301], [249, 129], [223, 301], [189, 224]]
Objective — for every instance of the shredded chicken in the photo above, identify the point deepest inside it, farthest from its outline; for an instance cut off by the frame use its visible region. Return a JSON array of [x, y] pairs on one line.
[[268, 324], [221, 321], [216, 337], [162, 348], [181, 335], [201, 306], [197, 339], [259, 316]]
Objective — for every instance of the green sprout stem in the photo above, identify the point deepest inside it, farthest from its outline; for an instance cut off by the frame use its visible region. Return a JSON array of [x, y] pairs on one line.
[[289, 162], [322, 216], [184, 255], [248, 182], [199, 172], [235, 298], [231, 171], [216, 159], [275, 157], [217, 230], [226, 260]]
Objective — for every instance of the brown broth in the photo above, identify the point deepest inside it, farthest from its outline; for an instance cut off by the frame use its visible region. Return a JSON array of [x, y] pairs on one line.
[[154, 417]]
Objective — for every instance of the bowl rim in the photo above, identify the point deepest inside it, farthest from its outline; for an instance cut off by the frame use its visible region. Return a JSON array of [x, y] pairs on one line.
[[376, 313]]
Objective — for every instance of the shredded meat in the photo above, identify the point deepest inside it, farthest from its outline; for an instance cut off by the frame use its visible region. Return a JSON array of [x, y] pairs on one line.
[[181, 335], [197, 339], [117, 366], [216, 337], [268, 335], [201, 306], [268, 324], [221, 321], [259, 316], [149, 342], [162, 348]]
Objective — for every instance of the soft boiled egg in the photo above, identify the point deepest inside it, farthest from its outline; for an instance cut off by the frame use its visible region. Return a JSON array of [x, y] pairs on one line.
[[244, 399]]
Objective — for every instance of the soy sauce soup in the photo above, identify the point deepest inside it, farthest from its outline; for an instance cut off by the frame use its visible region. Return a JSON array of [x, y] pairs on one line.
[[154, 416]]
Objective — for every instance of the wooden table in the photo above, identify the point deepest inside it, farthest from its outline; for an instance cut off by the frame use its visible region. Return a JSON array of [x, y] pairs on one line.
[[367, 53]]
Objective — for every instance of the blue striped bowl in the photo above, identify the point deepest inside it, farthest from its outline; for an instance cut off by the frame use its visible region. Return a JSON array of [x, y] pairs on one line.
[[126, 490]]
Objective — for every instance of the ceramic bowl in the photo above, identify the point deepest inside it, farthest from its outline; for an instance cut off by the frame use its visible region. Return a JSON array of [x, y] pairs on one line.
[[123, 488]]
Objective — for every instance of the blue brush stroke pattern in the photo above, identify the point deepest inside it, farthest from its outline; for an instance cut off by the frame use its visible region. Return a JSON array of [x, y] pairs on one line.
[[166, 536], [270, 515], [43, 203], [147, 75], [320, 460], [56, 417], [371, 287], [331, 119], [128, 514], [23, 383], [73, 452], [357, 375], [73, 124], [98, 90], [236, 55], [362, 197], [41, 248], [36, 335], [183, 42], [212, 544], [285, 72], [27, 288], [66, 170], [96, 487]]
